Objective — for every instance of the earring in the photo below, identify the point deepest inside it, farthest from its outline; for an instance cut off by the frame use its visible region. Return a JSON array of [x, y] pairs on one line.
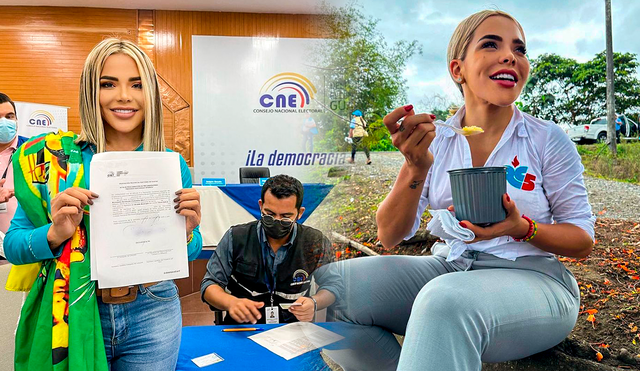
[[459, 79]]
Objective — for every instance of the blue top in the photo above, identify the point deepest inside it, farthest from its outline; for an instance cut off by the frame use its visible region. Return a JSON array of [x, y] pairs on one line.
[[220, 263], [24, 243]]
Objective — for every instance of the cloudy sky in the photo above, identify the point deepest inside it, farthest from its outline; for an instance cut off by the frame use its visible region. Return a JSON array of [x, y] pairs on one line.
[[571, 28]]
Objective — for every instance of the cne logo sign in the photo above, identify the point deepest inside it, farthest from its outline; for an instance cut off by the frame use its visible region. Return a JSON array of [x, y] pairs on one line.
[[41, 118], [287, 90]]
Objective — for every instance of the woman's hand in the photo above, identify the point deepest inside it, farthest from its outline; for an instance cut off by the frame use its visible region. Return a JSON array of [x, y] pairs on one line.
[[513, 225], [189, 206], [66, 213], [413, 136]]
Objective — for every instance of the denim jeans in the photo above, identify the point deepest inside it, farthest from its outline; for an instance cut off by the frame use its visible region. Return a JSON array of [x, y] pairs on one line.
[[144, 334], [456, 315]]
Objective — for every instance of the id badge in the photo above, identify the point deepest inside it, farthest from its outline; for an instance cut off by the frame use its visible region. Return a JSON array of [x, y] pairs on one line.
[[3, 208], [272, 315]]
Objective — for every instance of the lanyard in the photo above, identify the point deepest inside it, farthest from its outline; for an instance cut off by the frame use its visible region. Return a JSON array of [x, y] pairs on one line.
[[267, 269], [4, 175]]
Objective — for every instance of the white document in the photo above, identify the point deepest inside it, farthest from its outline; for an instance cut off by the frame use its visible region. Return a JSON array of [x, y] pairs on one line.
[[286, 306], [207, 360], [136, 235], [294, 339]]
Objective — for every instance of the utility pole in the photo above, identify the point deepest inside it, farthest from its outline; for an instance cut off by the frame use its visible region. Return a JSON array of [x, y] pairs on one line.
[[611, 102]]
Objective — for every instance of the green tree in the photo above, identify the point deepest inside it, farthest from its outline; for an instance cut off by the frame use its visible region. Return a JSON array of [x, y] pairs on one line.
[[358, 69], [550, 91], [591, 79], [439, 105], [564, 90]]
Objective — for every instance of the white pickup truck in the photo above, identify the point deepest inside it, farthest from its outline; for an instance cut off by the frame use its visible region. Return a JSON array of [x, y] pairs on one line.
[[596, 130]]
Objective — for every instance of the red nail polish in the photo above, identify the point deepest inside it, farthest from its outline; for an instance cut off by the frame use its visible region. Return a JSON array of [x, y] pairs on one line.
[[508, 198], [463, 225], [408, 107], [433, 117]]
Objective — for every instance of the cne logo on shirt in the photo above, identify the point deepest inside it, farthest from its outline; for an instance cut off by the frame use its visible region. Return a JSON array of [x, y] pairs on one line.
[[518, 177], [300, 277]]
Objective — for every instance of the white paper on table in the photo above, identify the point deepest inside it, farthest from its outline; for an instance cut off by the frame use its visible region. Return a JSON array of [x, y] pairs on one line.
[[207, 360], [294, 339], [136, 235]]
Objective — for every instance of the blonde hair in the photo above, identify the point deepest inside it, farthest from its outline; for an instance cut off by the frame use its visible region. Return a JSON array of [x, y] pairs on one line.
[[90, 114], [464, 33]]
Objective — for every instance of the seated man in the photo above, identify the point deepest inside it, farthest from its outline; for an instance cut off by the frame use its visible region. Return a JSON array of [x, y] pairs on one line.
[[259, 265]]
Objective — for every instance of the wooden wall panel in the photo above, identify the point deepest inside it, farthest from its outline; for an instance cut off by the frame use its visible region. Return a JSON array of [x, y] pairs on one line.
[[146, 33], [167, 125], [42, 50]]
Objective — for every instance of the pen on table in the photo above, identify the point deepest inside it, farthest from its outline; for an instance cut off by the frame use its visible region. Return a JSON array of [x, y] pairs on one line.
[[241, 329]]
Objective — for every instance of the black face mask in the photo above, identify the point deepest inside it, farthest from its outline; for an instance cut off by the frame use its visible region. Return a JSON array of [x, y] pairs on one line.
[[276, 228]]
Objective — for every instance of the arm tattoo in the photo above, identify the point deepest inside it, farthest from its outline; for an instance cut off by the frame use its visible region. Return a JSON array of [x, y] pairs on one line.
[[415, 184]]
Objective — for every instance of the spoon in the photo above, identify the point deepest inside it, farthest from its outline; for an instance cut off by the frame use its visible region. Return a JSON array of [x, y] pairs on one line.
[[465, 131]]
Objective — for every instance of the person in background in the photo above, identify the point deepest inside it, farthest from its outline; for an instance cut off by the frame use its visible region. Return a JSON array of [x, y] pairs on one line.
[[67, 322], [309, 129], [357, 132], [9, 143], [453, 109], [259, 265]]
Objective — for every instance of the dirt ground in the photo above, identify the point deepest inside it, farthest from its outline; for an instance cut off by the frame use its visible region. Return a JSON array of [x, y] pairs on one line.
[[609, 279]]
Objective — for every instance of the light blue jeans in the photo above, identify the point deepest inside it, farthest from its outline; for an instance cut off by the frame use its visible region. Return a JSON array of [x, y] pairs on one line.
[[144, 334], [456, 315]]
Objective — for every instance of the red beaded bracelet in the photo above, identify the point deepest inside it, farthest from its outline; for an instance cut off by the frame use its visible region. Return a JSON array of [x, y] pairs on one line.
[[533, 230]]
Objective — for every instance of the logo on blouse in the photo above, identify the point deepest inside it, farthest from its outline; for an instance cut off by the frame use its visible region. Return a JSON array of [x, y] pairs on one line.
[[300, 277], [518, 177]]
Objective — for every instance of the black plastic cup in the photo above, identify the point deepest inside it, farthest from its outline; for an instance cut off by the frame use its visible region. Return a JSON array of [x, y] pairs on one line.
[[477, 194]]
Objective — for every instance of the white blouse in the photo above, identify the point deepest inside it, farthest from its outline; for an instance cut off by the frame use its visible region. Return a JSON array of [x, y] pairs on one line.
[[544, 178]]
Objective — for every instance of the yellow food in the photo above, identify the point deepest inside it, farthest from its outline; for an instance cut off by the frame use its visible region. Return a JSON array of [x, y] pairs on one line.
[[470, 130]]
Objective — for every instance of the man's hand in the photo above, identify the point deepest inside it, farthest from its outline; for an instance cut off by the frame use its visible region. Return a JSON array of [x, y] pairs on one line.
[[304, 312], [5, 193], [245, 310]]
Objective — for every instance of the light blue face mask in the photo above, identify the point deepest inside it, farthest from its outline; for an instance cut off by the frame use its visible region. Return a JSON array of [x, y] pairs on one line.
[[8, 130]]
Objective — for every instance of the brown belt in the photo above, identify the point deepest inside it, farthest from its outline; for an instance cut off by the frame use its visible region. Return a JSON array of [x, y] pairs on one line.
[[120, 295]]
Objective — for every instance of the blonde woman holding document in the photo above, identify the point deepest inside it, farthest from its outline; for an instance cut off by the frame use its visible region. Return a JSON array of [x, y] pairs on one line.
[[128, 328]]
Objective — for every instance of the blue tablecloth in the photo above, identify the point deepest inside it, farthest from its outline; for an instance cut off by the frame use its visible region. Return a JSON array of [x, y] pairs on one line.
[[247, 196], [241, 353]]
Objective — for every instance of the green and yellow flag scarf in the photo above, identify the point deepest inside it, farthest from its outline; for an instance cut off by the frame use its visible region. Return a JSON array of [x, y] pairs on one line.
[[59, 326]]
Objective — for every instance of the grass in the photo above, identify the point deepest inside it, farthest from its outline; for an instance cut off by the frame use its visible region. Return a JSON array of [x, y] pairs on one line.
[[599, 162]]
